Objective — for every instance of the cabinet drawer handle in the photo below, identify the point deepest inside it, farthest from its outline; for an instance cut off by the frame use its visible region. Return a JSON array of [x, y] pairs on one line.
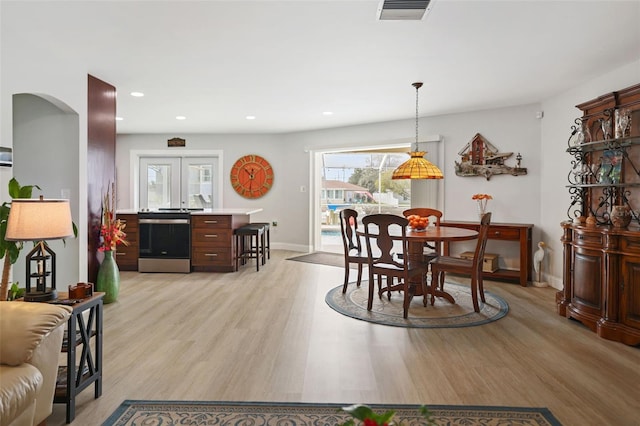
[[210, 221], [211, 235], [497, 233], [580, 237], [119, 253], [211, 254]]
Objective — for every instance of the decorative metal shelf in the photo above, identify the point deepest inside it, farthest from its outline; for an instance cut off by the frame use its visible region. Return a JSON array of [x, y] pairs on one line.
[[603, 185], [592, 171], [605, 144]]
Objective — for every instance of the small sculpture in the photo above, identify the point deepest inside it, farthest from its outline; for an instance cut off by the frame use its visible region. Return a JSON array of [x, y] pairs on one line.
[[620, 216], [537, 265]]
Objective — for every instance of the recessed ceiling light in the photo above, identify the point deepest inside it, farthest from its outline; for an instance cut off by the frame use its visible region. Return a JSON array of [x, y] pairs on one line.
[[137, 94], [119, 119], [180, 117], [251, 117], [327, 113]]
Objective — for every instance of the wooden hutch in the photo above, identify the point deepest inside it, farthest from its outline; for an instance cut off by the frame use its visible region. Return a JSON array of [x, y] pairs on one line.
[[601, 261]]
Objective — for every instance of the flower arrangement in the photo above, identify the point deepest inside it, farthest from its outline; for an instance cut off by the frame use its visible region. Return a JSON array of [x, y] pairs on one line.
[[482, 200], [111, 231], [368, 417]]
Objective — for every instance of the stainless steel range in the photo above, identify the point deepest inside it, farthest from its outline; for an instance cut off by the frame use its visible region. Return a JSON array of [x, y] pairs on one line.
[[165, 241]]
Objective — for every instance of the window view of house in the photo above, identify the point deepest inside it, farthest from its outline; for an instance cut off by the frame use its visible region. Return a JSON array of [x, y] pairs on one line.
[[360, 181]]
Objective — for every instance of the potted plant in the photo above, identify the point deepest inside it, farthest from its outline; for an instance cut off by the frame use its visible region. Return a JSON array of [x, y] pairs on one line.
[[368, 417], [10, 250]]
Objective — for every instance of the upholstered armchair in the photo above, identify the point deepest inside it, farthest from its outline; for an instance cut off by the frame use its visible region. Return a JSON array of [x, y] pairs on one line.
[[31, 336]]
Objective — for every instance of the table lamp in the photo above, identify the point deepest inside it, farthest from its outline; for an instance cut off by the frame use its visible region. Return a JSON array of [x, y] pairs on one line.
[[39, 220]]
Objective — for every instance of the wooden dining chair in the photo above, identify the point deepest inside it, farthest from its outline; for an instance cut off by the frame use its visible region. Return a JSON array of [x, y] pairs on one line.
[[389, 243], [352, 246], [469, 267], [434, 247]]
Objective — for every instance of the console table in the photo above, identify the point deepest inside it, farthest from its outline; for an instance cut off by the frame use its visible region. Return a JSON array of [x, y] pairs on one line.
[[520, 232], [85, 370]]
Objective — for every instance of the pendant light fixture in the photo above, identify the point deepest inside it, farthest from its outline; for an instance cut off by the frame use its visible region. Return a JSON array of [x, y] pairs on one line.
[[417, 167]]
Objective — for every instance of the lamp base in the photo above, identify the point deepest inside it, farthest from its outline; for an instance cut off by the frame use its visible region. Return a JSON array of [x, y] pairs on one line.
[[41, 296]]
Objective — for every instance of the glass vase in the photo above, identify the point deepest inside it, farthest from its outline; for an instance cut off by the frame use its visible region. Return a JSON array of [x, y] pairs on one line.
[[108, 280], [482, 209]]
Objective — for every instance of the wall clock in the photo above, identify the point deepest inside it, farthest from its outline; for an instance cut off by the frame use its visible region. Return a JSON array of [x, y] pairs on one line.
[[251, 176]]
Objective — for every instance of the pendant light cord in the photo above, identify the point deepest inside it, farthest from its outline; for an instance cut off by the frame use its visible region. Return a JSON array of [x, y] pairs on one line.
[[417, 86]]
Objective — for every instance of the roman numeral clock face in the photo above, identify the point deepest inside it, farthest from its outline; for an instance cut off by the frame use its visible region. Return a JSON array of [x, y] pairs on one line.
[[251, 176]]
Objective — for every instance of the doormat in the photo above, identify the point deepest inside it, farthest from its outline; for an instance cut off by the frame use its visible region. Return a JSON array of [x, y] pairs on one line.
[[324, 258]]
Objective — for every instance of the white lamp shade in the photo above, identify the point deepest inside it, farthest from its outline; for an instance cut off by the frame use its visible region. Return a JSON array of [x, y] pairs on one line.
[[32, 219]]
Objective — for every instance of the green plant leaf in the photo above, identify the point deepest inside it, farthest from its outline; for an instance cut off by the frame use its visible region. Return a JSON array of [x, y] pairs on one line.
[[362, 412], [359, 411], [14, 188]]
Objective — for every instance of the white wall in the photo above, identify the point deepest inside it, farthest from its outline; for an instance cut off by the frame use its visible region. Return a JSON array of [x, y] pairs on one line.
[[46, 141], [36, 69]]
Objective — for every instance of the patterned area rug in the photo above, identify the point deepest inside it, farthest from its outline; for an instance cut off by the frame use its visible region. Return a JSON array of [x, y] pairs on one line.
[[140, 413], [441, 315]]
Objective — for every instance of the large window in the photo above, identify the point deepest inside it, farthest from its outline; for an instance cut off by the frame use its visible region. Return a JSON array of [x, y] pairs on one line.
[[361, 181]]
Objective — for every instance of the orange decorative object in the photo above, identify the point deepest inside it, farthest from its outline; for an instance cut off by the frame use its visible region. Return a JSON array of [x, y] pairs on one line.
[[418, 222], [251, 176], [80, 291]]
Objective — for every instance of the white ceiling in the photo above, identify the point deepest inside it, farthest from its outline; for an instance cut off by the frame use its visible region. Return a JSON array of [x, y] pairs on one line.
[[286, 62]]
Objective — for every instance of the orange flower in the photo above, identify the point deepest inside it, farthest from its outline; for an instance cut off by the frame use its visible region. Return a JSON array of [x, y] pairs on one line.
[[481, 197]]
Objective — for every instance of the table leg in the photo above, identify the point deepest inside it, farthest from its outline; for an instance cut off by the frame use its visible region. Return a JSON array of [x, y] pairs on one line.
[[416, 255], [98, 386], [71, 368]]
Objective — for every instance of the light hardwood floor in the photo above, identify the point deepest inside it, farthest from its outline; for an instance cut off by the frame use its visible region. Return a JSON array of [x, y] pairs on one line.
[[269, 336]]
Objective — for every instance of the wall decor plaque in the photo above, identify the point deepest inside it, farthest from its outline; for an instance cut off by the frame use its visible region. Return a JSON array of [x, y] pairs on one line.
[[176, 142], [480, 158]]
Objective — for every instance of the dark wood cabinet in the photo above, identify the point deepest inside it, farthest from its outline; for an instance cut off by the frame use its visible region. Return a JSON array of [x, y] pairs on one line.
[[602, 255], [127, 256], [212, 241], [630, 292]]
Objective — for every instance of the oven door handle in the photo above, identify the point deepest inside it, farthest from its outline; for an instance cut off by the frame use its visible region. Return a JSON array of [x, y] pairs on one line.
[[165, 221]]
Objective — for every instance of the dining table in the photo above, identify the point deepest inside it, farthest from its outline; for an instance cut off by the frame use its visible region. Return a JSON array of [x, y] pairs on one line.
[[417, 238], [443, 234]]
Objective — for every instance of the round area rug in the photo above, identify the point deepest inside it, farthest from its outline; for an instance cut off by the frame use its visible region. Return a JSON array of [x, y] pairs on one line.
[[442, 314]]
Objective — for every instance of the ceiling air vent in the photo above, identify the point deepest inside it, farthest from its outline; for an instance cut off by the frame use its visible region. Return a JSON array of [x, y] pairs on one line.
[[402, 10]]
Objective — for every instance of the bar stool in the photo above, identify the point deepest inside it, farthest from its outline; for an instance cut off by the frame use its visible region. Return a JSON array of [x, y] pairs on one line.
[[266, 239], [249, 245]]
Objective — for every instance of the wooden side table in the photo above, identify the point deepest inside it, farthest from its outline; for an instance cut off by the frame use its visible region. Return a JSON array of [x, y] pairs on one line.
[[80, 373], [520, 232]]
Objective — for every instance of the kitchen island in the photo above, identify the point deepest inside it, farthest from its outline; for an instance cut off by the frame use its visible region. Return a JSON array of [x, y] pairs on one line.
[[211, 240]]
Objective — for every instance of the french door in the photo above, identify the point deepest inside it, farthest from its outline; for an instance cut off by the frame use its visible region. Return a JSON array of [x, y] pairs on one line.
[[178, 182]]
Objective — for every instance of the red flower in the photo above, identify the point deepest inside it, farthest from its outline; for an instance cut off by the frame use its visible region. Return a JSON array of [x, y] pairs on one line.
[[370, 422], [111, 232]]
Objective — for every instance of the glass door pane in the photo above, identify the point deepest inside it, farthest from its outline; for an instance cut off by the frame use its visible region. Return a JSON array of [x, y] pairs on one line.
[[199, 180], [159, 183], [358, 180]]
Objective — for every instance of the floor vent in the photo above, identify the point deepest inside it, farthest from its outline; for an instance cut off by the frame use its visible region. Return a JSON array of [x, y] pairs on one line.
[[403, 10]]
